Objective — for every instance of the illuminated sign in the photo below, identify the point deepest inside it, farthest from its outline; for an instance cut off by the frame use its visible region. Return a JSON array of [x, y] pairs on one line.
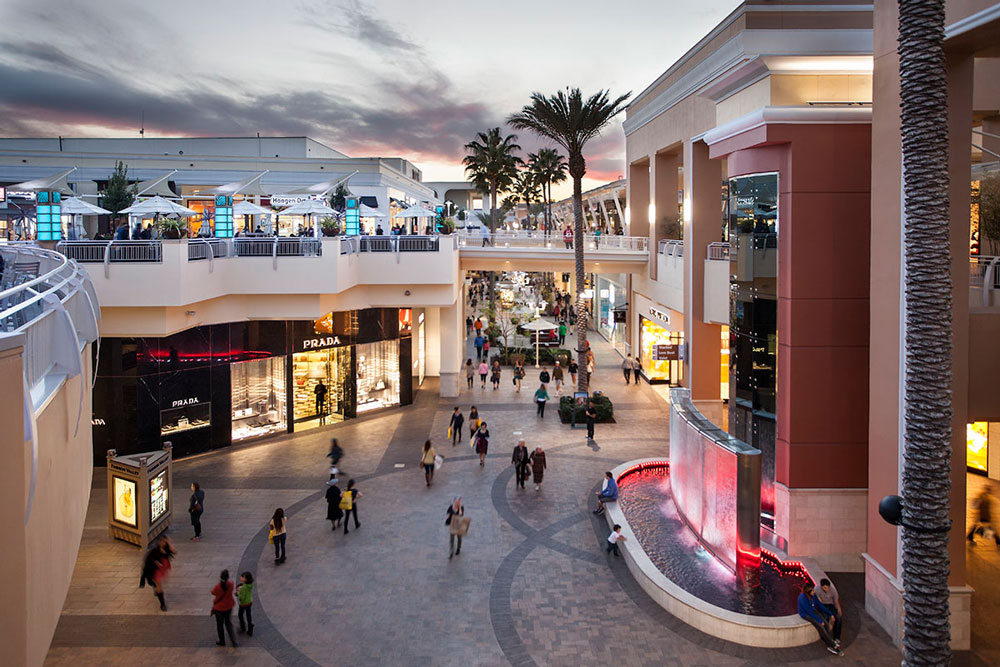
[[48, 218], [745, 202], [124, 499], [317, 343], [352, 216], [224, 217], [3, 194], [668, 352], [658, 314], [291, 200], [184, 401], [157, 496]]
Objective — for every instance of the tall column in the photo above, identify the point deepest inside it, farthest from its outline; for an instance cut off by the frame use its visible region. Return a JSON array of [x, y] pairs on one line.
[[452, 337], [638, 199], [702, 225], [663, 211], [13, 494]]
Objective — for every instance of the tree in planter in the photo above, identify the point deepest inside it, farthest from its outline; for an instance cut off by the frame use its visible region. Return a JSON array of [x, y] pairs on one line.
[[570, 121], [505, 322], [171, 228], [118, 195], [989, 212], [338, 200]]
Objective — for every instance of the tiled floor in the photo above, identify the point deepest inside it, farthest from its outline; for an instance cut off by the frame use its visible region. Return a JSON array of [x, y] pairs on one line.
[[532, 585]]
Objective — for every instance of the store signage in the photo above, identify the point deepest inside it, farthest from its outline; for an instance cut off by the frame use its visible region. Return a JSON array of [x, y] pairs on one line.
[[21, 194], [317, 343], [668, 352], [97, 422], [620, 315], [184, 401], [661, 316], [291, 200], [3, 194], [745, 202]]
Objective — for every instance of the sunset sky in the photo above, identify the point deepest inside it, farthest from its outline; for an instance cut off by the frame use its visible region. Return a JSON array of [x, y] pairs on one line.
[[415, 79]]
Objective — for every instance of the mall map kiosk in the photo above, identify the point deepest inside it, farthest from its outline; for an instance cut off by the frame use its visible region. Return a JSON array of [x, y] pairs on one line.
[[139, 495]]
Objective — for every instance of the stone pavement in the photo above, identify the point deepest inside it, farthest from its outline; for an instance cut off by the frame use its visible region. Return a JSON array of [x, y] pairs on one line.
[[532, 585]]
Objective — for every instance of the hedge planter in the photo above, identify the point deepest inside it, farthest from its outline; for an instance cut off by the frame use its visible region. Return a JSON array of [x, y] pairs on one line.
[[549, 356], [605, 410]]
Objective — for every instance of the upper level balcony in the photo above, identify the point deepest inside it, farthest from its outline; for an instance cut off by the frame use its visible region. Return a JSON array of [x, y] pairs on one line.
[[157, 287]]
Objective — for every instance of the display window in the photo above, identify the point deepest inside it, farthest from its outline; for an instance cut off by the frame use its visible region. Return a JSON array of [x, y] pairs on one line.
[[611, 296], [724, 376], [158, 492], [185, 417], [258, 398], [125, 501], [659, 370], [378, 375], [977, 446], [319, 388]]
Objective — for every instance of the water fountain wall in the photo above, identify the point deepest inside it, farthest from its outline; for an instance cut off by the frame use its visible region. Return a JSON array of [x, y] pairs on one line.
[[715, 481]]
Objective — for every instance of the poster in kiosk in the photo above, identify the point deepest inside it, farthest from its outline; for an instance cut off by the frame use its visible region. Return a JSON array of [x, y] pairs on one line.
[[139, 500]]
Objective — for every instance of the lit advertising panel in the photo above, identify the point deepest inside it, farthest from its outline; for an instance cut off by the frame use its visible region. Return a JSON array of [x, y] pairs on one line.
[[124, 495], [157, 496]]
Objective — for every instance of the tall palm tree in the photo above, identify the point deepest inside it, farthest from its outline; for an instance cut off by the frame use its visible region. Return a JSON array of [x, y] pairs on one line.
[[492, 165], [550, 166], [571, 121], [927, 446]]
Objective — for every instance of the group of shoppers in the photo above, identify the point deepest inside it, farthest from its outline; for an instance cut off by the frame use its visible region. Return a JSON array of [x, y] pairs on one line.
[[227, 594], [523, 460]]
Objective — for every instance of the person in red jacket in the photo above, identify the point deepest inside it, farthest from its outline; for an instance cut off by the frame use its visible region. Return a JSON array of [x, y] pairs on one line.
[[222, 608]]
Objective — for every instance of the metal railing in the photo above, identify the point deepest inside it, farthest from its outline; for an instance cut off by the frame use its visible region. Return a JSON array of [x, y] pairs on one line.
[[277, 246], [671, 247], [391, 243], [207, 248], [552, 240], [718, 251], [984, 275], [112, 251]]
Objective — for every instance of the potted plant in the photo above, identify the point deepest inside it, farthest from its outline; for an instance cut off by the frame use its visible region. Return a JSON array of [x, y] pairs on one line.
[[447, 226], [329, 226], [172, 228]]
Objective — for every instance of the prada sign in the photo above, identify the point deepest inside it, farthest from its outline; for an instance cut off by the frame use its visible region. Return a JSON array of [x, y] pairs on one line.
[[319, 343]]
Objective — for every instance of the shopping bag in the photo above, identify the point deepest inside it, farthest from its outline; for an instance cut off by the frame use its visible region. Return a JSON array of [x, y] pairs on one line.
[[463, 525], [270, 536], [438, 462], [449, 433]]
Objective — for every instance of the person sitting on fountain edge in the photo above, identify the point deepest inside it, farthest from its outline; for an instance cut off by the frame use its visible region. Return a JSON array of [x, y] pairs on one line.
[[814, 611], [608, 492]]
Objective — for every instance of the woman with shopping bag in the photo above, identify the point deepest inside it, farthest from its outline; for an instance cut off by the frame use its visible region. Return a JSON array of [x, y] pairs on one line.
[[427, 461], [458, 526], [481, 442]]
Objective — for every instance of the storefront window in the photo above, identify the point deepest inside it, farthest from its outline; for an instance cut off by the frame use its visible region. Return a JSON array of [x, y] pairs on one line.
[[977, 446], [320, 386], [724, 377], [612, 297], [654, 342], [378, 375], [258, 389], [185, 417]]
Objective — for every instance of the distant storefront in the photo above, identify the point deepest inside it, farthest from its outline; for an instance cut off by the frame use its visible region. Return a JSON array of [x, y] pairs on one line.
[[208, 387], [661, 335], [612, 308]]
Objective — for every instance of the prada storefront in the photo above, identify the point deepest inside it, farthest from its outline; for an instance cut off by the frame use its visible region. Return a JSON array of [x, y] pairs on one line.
[[211, 386]]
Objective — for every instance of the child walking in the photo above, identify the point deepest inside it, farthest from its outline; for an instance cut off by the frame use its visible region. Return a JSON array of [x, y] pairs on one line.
[[244, 595]]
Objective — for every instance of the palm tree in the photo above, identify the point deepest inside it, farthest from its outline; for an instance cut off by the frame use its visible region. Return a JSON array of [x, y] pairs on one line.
[[526, 188], [570, 121], [926, 480], [550, 166], [492, 165]]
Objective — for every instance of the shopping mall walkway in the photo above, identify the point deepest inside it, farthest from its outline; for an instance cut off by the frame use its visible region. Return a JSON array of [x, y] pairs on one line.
[[532, 585]]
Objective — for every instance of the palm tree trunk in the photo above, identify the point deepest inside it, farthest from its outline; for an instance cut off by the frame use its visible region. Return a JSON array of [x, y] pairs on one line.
[[927, 448], [493, 228], [583, 382]]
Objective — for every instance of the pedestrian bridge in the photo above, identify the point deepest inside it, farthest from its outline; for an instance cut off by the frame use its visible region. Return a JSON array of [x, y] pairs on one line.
[[537, 251]]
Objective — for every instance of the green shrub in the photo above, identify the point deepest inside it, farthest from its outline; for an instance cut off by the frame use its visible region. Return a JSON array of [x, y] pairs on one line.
[[549, 356], [605, 410]]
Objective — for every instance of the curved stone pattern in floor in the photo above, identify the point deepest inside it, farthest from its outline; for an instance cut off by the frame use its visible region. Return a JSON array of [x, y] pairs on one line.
[[532, 586]]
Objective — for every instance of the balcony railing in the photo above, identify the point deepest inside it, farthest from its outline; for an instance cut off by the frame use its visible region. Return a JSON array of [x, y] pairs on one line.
[[718, 251], [671, 247], [391, 243], [111, 251], [984, 275], [553, 241], [277, 246]]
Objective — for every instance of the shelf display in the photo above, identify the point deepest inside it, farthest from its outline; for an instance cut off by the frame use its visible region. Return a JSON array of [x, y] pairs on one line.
[[258, 398], [185, 418], [329, 368], [378, 375]]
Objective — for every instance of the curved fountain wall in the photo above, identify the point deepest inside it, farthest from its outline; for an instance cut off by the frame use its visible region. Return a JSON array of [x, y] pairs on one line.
[[715, 480]]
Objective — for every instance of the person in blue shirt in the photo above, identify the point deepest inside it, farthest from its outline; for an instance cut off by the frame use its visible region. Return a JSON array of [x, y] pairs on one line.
[[814, 611], [608, 492], [479, 342]]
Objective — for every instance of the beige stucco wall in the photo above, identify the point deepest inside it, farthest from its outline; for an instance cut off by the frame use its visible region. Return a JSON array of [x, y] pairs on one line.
[[37, 561]]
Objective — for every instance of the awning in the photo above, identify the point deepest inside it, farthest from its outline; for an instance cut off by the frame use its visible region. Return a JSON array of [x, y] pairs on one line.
[[322, 188], [157, 187], [248, 186], [55, 182], [75, 205], [371, 202]]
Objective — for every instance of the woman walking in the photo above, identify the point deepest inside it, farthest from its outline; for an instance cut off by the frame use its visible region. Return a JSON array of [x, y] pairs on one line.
[[573, 368], [518, 374], [244, 595], [474, 421], [333, 512], [482, 440], [222, 608], [278, 525], [541, 396], [196, 507], [483, 372], [495, 375], [537, 463], [455, 510], [156, 567], [470, 372], [427, 461], [351, 497]]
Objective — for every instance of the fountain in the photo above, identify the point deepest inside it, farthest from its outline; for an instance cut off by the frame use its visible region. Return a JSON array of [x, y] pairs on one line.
[[693, 529]]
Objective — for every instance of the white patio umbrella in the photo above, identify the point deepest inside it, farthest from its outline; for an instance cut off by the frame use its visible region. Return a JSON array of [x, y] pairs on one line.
[[539, 325], [366, 211], [248, 208], [416, 211], [76, 207], [158, 206], [308, 208]]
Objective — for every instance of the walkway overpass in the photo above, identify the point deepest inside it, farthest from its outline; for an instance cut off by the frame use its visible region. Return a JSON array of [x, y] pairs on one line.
[[537, 251]]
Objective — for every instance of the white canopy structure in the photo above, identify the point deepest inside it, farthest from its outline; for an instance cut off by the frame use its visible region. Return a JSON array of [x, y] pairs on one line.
[[157, 187], [77, 206], [309, 207], [158, 206], [536, 326], [368, 212], [324, 188], [55, 182], [248, 186], [416, 211], [249, 208]]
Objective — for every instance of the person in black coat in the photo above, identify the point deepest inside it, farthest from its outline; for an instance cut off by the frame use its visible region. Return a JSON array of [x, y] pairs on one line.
[[196, 507], [520, 461], [457, 420], [333, 511]]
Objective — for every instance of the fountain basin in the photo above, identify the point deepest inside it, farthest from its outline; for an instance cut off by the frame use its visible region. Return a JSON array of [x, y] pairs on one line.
[[758, 629]]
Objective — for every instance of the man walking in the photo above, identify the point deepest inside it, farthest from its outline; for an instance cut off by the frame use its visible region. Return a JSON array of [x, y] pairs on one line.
[[562, 333], [627, 369], [479, 341], [455, 426], [568, 237], [591, 420], [519, 459]]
